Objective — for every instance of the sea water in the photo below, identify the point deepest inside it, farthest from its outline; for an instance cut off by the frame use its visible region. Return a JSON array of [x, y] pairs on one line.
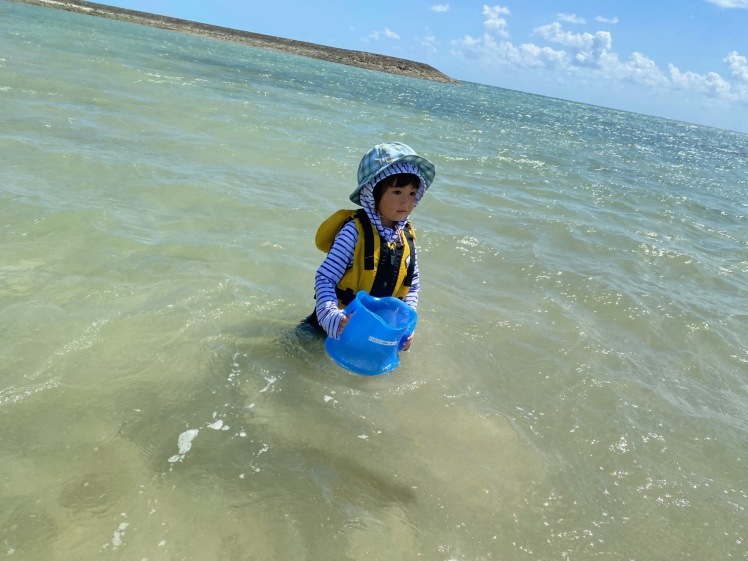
[[577, 387]]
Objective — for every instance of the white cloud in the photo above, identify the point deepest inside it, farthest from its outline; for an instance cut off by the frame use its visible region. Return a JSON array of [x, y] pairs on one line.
[[738, 66], [603, 19], [591, 54], [711, 84], [730, 3], [586, 49], [440, 8], [527, 55], [531, 55], [554, 33], [387, 34], [493, 22], [639, 69], [571, 18]]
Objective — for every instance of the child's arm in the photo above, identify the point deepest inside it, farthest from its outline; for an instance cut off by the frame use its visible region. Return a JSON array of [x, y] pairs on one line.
[[411, 298], [332, 269]]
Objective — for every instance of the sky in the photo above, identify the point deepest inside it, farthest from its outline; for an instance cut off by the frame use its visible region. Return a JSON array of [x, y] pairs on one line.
[[679, 59]]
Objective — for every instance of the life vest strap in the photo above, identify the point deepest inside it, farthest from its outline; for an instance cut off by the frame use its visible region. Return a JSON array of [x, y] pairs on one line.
[[408, 231], [368, 239], [345, 296]]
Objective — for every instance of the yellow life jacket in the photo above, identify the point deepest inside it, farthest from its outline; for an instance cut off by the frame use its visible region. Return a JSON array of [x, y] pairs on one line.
[[381, 269]]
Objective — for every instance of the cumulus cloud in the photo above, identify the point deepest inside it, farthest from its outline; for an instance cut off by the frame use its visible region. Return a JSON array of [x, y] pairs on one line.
[[730, 3], [603, 19], [584, 49], [487, 49], [710, 84], [639, 69], [738, 66], [530, 55], [578, 53], [554, 33], [493, 22], [440, 8]]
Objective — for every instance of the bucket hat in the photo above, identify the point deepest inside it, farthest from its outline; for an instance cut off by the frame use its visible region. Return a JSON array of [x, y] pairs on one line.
[[382, 157]]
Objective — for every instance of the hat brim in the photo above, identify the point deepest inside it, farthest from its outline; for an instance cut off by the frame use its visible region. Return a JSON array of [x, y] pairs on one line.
[[426, 169]]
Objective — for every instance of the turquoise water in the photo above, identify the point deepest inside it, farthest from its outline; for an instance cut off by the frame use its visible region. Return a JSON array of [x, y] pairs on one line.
[[577, 388]]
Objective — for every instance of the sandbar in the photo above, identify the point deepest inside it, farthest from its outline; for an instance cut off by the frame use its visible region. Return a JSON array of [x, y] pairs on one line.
[[361, 59]]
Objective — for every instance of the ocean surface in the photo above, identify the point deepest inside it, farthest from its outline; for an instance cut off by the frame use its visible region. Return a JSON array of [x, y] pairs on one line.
[[577, 388]]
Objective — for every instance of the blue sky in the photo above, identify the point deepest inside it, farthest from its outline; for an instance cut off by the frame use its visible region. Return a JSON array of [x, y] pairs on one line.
[[680, 59]]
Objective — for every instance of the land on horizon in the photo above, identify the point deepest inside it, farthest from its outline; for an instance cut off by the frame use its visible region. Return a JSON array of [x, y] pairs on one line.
[[360, 59]]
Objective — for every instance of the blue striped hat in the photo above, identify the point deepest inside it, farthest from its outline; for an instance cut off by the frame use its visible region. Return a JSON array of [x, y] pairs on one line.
[[383, 156]]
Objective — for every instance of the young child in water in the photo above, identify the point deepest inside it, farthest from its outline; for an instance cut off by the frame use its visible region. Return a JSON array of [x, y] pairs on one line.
[[372, 248]]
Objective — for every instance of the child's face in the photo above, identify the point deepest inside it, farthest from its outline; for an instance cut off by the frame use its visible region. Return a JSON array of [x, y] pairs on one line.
[[397, 203]]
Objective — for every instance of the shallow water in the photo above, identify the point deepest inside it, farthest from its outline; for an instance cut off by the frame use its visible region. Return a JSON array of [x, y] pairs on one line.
[[577, 388]]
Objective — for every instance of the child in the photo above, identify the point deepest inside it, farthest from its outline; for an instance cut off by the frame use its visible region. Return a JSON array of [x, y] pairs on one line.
[[372, 248]]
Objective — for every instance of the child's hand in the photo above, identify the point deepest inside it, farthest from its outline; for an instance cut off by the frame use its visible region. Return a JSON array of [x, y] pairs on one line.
[[407, 343], [343, 323]]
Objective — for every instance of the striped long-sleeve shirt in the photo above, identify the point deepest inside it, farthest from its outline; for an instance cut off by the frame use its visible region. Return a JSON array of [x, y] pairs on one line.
[[338, 261]]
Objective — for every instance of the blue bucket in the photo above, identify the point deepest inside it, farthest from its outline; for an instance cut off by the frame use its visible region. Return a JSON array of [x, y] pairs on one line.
[[375, 333]]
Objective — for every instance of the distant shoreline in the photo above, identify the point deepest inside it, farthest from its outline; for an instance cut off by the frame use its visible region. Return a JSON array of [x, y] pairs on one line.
[[370, 61]]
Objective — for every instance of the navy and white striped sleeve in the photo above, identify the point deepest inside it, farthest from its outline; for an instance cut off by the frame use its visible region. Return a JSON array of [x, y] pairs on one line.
[[411, 298], [338, 261]]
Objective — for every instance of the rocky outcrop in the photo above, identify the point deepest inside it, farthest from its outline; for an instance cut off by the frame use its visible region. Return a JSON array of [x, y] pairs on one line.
[[360, 59]]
